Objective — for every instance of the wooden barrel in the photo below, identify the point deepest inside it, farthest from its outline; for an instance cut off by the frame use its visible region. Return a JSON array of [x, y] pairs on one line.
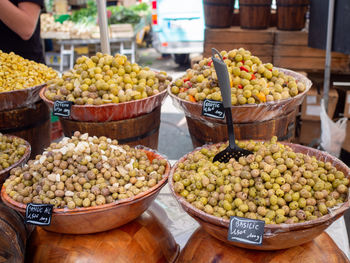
[[203, 132], [291, 14], [30, 123], [143, 240], [202, 248], [143, 130], [218, 13], [13, 235], [255, 14]]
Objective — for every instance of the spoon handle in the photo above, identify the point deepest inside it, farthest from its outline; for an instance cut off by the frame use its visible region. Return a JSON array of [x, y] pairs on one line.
[[225, 88]]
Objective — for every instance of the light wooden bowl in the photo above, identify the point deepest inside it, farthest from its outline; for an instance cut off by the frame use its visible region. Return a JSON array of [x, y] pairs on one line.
[[249, 112], [112, 111], [5, 172], [203, 248], [143, 240], [99, 218], [276, 236]]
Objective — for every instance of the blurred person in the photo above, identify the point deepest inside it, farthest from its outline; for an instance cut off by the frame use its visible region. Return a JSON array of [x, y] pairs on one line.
[[20, 28]]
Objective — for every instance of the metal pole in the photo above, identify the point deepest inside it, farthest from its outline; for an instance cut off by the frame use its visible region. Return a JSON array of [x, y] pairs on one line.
[[327, 68], [102, 20]]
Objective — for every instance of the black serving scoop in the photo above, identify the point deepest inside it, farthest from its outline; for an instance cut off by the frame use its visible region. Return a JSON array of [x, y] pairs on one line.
[[232, 151]]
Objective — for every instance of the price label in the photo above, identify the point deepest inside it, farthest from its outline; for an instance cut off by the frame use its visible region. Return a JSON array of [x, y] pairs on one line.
[[62, 108], [245, 230], [38, 214], [213, 109]]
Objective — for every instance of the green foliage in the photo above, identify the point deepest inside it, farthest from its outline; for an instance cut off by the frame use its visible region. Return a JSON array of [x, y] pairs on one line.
[[86, 15], [122, 15]]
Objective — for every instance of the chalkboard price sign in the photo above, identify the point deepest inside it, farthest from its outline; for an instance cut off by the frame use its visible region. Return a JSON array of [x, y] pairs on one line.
[[213, 108], [245, 230], [38, 214], [62, 108]]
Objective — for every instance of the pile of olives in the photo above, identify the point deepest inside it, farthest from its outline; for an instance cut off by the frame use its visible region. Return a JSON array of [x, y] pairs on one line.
[[84, 171], [252, 82], [11, 150], [17, 73], [274, 184], [104, 79]]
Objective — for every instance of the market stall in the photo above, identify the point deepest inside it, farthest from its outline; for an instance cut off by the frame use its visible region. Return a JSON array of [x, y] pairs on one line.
[[81, 28], [96, 197]]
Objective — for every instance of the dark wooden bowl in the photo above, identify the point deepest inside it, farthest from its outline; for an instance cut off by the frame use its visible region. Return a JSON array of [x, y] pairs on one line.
[[5, 172], [20, 98], [249, 112], [143, 240], [99, 218], [14, 234], [202, 248], [276, 236], [112, 111]]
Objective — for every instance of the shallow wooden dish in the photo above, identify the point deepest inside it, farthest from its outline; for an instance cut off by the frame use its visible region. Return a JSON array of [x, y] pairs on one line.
[[276, 236], [249, 112], [5, 173], [99, 218], [202, 248], [20, 98], [112, 111], [143, 240]]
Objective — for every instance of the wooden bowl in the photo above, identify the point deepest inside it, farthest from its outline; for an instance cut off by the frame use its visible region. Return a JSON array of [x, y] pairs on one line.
[[112, 111], [202, 248], [5, 172], [99, 218], [143, 240], [249, 112], [276, 236], [20, 98]]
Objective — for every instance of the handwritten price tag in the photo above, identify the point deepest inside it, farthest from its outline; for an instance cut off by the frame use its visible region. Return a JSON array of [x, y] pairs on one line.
[[213, 108], [38, 214], [246, 230], [62, 108]]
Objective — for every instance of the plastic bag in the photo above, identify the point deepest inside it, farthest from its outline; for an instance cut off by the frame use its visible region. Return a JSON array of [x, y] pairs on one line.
[[332, 133]]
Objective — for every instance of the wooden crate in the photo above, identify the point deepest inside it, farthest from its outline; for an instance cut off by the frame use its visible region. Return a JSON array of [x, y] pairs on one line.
[[286, 49], [291, 51], [259, 42]]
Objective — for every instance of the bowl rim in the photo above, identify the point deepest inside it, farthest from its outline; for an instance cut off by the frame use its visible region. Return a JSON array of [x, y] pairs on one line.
[[21, 98], [288, 72], [24, 90], [23, 159], [269, 228], [107, 105], [99, 208]]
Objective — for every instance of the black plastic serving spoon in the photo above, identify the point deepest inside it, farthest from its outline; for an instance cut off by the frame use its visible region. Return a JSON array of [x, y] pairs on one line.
[[232, 151]]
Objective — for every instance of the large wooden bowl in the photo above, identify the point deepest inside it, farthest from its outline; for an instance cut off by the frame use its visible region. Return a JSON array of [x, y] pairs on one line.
[[143, 240], [249, 112], [112, 111], [99, 218], [202, 248], [276, 236], [5, 172], [20, 98]]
